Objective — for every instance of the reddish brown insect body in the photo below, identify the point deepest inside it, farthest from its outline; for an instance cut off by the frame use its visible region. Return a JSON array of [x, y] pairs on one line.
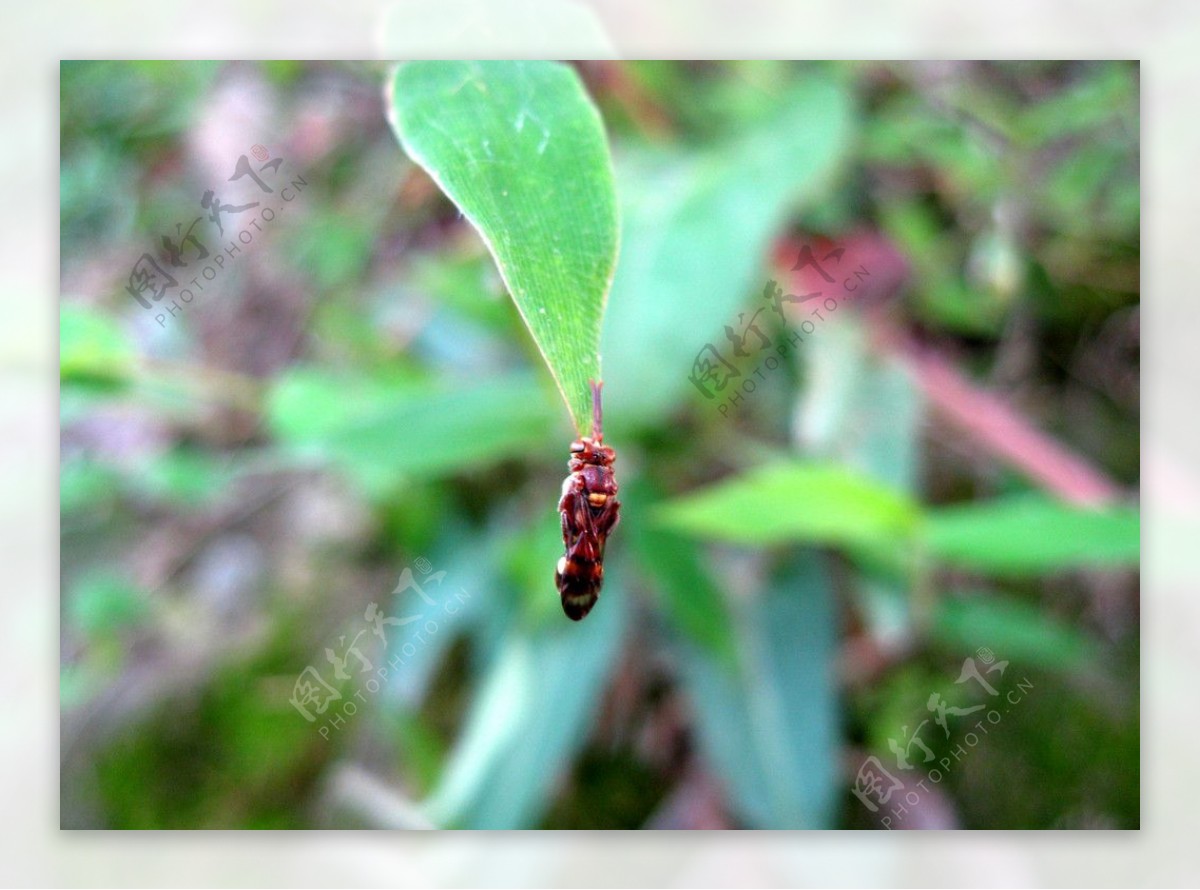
[[590, 511]]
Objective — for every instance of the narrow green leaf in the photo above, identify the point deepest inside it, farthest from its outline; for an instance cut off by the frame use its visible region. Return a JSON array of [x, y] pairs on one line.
[[1019, 630], [376, 432], [1032, 534], [529, 717], [521, 149], [795, 502], [768, 724], [692, 602]]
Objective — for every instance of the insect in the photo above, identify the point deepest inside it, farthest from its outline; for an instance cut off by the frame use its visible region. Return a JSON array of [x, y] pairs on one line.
[[590, 511]]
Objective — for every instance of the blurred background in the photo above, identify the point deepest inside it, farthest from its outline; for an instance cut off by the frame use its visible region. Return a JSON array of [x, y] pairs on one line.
[[308, 517]]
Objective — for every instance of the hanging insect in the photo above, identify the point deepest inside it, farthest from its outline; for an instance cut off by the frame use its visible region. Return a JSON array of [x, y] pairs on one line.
[[590, 511]]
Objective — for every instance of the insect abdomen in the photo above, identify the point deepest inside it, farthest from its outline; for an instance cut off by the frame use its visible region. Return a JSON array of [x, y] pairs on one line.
[[578, 580]]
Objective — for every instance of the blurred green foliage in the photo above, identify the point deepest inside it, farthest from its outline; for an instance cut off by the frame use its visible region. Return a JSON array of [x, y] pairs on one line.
[[354, 398]]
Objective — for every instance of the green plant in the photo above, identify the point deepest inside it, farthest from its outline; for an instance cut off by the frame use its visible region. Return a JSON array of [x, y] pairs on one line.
[[792, 579]]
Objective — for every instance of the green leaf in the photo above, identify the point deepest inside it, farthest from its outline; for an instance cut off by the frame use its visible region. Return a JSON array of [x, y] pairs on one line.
[[521, 149], [696, 232], [377, 432], [469, 560], [1018, 630], [795, 502], [530, 716], [768, 724], [691, 600], [1030, 534]]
